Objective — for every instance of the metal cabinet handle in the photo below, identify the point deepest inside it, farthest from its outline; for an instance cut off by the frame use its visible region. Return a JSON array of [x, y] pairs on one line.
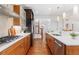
[[58, 44]]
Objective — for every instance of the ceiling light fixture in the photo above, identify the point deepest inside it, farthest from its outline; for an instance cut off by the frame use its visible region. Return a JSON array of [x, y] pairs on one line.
[[58, 19], [49, 9], [75, 9], [64, 15], [58, 12]]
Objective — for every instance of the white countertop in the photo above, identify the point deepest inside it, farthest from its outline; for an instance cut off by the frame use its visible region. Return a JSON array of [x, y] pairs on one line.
[[67, 40], [6, 45]]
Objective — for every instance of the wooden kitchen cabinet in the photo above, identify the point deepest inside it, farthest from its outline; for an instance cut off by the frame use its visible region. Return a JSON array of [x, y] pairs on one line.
[[56, 47], [19, 48], [15, 49], [72, 50], [16, 9], [27, 43], [59, 48], [50, 43]]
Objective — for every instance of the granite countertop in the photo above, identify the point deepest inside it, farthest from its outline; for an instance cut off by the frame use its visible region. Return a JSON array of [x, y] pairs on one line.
[[66, 39], [6, 45]]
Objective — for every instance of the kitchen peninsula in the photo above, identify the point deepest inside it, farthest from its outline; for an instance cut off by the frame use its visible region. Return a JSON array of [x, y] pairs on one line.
[[62, 44]]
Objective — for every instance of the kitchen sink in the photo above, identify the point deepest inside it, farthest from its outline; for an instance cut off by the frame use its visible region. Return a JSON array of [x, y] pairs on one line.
[[57, 34]]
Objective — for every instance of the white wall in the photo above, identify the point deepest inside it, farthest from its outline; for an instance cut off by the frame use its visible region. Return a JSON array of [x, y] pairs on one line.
[[5, 24]]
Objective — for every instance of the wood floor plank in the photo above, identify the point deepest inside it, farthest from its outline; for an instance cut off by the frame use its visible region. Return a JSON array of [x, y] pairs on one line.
[[39, 48]]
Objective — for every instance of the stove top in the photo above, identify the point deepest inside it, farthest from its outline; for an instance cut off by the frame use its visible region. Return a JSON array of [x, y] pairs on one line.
[[7, 39]]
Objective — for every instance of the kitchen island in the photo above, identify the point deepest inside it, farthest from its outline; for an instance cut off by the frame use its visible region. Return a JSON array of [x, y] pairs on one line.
[[62, 44], [20, 46]]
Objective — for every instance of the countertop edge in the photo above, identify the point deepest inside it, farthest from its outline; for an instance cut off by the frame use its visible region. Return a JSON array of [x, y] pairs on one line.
[[62, 41]]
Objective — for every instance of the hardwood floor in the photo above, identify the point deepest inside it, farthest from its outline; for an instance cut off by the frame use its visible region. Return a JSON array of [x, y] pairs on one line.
[[39, 48]]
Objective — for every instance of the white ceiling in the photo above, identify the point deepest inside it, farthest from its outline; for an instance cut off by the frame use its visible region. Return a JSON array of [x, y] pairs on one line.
[[51, 9]]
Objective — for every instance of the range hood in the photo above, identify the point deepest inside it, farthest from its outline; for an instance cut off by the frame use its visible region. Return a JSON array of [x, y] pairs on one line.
[[7, 12]]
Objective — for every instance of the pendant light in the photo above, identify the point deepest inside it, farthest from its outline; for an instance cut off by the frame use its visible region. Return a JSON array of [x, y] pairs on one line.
[[58, 14], [64, 15], [58, 18]]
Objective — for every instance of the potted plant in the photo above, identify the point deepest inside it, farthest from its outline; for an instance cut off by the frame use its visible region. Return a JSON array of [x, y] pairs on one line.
[[73, 35]]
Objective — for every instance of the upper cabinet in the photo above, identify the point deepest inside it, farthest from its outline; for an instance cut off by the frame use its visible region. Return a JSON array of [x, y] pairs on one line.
[[20, 11], [16, 9], [6, 10], [16, 12]]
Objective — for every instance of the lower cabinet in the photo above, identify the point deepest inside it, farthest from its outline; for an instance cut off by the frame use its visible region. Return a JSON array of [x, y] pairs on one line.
[[72, 50], [27, 43], [56, 47], [50, 43], [19, 48], [59, 48]]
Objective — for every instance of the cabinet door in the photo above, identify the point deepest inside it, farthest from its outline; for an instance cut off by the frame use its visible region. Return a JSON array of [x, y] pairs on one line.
[[27, 43], [19, 50], [72, 50], [16, 9], [15, 49], [59, 48], [16, 21], [50, 43]]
